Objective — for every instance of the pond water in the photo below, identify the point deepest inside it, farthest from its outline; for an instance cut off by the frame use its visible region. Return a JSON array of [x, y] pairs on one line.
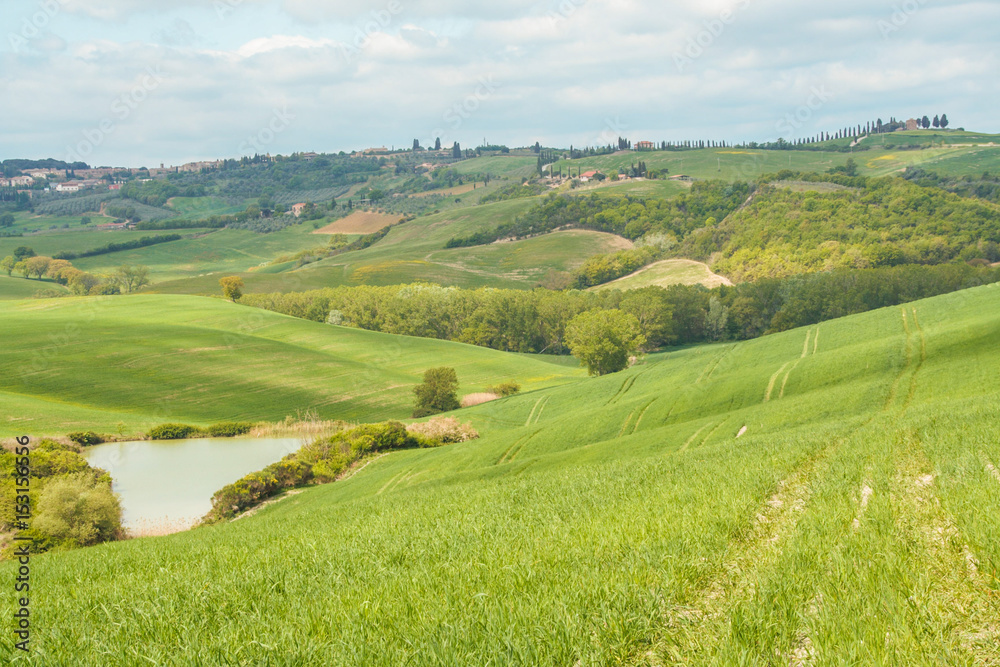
[[166, 486]]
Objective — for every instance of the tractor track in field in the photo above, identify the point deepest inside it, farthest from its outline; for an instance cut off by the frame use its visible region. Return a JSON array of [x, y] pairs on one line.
[[990, 468], [920, 360], [638, 421], [702, 441], [625, 388], [706, 612], [787, 371], [915, 352], [773, 380], [706, 373], [712, 432], [398, 479], [959, 584], [897, 381], [515, 449], [642, 414], [692, 439], [628, 420], [538, 407]]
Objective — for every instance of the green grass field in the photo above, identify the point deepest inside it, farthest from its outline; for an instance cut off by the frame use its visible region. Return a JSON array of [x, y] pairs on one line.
[[15, 287], [821, 496], [415, 252], [510, 166], [208, 252], [196, 208], [665, 273], [91, 363], [935, 137], [737, 164], [212, 254]]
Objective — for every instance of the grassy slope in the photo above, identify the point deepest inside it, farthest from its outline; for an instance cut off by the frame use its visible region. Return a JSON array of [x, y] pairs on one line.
[[16, 287], [415, 252], [199, 253], [666, 273], [616, 520], [733, 164], [88, 363], [213, 255], [197, 208]]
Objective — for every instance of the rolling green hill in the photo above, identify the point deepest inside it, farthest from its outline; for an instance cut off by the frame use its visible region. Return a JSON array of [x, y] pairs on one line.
[[19, 288], [665, 273], [90, 363], [738, 164], [816, 496], [415, 251]]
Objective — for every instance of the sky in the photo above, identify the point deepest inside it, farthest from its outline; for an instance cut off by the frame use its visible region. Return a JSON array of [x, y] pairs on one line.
[[140, 83]]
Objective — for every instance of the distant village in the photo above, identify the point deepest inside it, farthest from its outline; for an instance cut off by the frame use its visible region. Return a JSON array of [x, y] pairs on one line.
[[70, 181]]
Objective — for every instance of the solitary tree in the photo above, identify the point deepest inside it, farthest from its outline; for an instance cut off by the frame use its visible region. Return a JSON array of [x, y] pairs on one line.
[[437, 393], [6, 220], [232, 288], [437, 144], [8, 263], [603, 340]]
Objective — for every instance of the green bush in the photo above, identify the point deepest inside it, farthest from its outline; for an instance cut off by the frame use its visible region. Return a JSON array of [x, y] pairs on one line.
[[323, 460], [172, 432], [437, 393], [86, 438], [76, 511], [504, 389], [229, 429]]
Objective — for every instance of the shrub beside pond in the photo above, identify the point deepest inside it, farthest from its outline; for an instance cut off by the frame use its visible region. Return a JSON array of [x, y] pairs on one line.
[[323, 461]]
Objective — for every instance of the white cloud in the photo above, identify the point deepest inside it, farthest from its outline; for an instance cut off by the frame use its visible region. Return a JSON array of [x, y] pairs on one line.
[[556, 70], [266, 44]]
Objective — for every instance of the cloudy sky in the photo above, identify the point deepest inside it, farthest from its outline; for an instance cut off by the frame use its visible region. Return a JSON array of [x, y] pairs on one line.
[[135, 82]]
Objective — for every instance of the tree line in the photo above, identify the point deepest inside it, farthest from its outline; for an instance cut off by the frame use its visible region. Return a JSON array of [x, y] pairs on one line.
[[125, 278], [536, 321], [985, 186], [628, 216]]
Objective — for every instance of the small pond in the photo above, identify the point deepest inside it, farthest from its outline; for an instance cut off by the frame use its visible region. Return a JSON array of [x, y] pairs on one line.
[[166, 486]]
